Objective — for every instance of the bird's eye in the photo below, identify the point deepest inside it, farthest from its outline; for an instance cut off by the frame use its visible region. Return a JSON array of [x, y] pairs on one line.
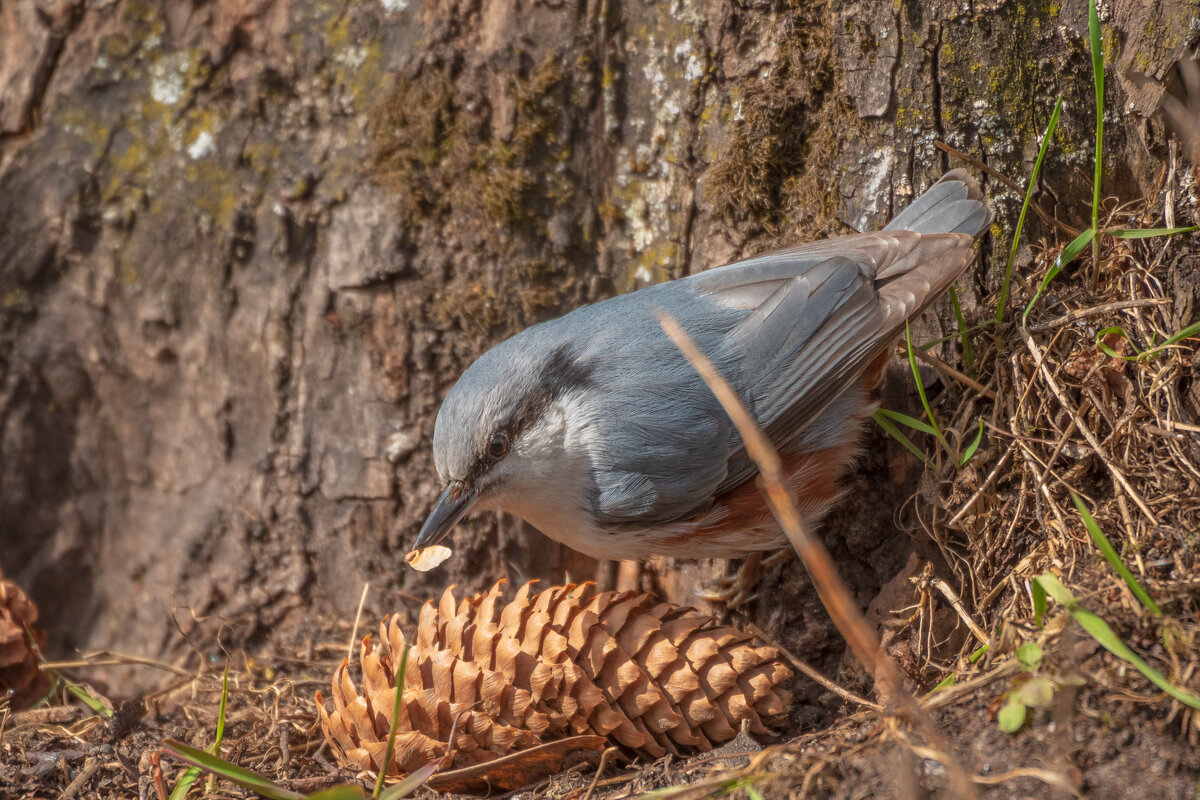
[[498, 446]]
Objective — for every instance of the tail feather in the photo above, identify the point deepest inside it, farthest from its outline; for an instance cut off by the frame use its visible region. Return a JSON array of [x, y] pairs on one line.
[[952, 205]]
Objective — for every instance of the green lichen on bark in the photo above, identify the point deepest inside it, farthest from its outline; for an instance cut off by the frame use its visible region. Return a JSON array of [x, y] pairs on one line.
[[434, 147], [493, 169], [784, 131]]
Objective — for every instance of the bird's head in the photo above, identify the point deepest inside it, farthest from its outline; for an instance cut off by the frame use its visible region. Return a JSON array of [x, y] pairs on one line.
[[499, 435]]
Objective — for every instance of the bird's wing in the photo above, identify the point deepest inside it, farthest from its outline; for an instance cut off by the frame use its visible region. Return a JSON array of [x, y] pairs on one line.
[[789, 329], [817, 315], [656, 436], [792, 330]]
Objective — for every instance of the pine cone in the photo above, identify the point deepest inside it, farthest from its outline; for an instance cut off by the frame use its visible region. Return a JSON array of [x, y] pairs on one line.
[[20, 679], [653, 677]]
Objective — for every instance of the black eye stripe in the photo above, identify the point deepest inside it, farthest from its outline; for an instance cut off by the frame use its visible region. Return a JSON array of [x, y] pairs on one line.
[[562, 372]]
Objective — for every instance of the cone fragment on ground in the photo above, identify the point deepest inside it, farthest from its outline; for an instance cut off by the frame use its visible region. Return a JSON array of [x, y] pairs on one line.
[[653, 677], [21, 681]]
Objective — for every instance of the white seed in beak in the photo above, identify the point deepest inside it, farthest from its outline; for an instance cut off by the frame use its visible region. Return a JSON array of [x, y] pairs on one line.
[[427, 558]]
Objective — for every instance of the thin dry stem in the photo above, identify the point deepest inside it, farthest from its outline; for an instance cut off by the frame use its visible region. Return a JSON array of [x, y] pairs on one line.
[[830, 588]]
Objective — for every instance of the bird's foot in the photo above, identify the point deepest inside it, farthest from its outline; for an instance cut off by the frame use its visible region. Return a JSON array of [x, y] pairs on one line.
[[737, 590]]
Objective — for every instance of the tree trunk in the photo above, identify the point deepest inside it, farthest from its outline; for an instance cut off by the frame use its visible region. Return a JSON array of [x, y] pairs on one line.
[[246, 246]]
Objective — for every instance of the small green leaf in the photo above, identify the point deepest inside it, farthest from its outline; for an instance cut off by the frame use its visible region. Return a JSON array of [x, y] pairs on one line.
[[1053, 587], [973, 446], [1011, 716], [1039, 602], [185, 783], [754, 794], [1114, 560], [1146, 233], [1037, 693], [1030, 656]]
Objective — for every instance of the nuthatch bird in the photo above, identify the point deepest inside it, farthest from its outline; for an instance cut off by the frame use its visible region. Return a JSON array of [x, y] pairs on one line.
[[594, 429]]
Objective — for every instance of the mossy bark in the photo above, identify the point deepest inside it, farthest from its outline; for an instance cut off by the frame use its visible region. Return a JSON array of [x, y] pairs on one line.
[[246, 246]]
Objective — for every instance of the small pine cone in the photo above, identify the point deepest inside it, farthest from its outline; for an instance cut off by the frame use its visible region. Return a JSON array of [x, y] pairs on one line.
[[20, 679], [653, 677]]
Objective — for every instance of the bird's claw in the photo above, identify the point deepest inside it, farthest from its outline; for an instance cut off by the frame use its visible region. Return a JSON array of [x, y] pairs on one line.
[[734, 591]]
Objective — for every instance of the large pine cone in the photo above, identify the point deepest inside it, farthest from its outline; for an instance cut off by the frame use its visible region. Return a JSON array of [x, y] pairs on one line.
[[653, 677], [20, 679]]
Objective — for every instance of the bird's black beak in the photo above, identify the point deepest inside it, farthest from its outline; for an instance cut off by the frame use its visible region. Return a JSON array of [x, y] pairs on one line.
[[456, 500]]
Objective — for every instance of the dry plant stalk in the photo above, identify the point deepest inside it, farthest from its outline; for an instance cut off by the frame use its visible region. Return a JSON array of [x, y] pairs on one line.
[[653, 677], [20, 679]]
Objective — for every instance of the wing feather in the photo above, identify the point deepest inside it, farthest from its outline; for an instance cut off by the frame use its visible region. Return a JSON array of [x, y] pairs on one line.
[[792, 331]]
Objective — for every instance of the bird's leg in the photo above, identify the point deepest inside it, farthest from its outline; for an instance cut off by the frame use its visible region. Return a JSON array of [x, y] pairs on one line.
[[735, 591]]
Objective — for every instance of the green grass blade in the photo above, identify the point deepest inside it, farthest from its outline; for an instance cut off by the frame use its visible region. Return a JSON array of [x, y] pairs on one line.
[[1108, 351], [91, 702], [973, 446], [216, 745], [1067, 255], [185, 783], [1108, 639], [905, 419], [894, 432], [221, 711], [718, 786], [391, 742], [1097, 47], [950, 679], [1186, 333], [1039, 602], [960, 320], [346, 792], [1012, 250], [415, 780], [945, 683], [230, 772], [193, 773], [987, 323], [1103, 634], [912, 362], [754, 794], [1051, 586], [1114, 560], [1146, 233]]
